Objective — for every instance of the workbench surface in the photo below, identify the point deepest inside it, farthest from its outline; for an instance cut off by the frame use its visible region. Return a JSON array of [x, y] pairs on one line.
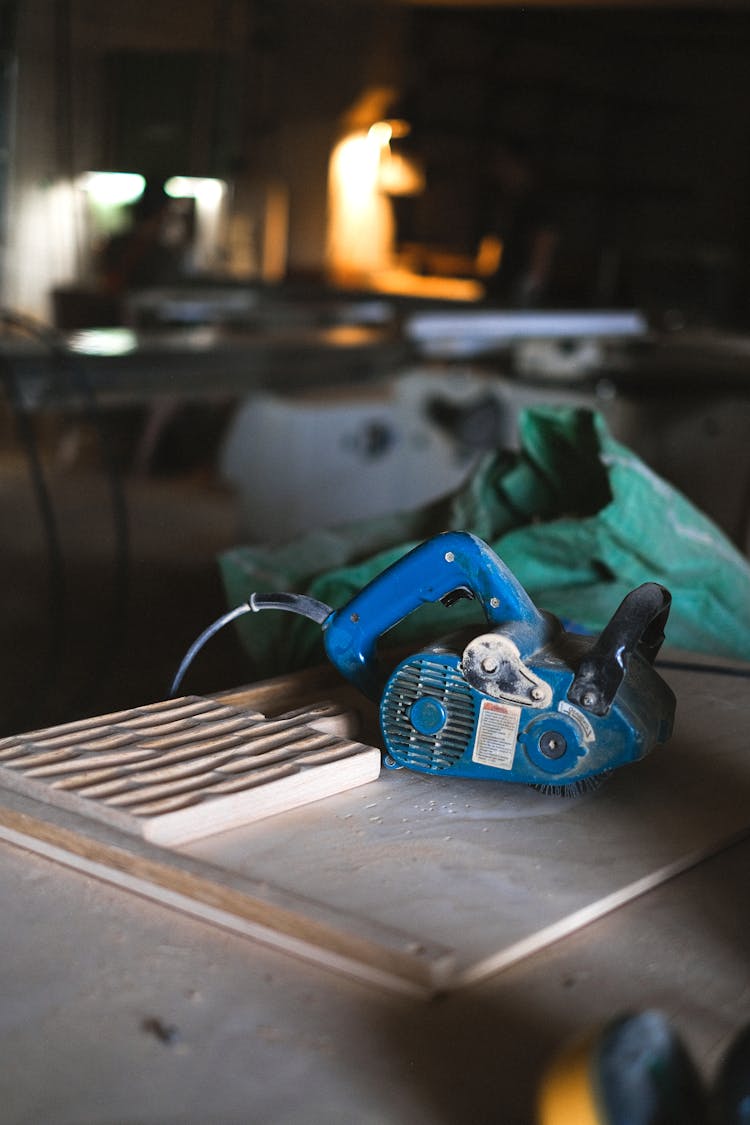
[[116, 1009]]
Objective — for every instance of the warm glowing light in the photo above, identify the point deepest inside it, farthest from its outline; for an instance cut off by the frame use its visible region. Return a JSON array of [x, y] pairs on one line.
[[404, 283], [113, 188], [195, 187], [361, 229], [363, 173], [489, 255], [356, 162], [381, 132], [399, 175], [399, 127]]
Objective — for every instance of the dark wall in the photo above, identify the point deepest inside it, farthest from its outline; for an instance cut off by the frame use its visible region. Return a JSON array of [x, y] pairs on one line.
[[637, 123]]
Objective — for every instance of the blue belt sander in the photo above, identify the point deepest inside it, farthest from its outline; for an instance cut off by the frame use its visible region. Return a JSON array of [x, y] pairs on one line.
[[524, 701]]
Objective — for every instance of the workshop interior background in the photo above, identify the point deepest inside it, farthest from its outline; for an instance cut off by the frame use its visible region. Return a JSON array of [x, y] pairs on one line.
[[232, 362]]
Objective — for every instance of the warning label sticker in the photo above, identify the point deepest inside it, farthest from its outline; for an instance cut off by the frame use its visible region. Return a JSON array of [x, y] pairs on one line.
[[497, 731]]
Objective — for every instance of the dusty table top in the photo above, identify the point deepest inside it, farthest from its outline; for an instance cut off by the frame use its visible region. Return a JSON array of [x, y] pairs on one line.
[[117, 1009]]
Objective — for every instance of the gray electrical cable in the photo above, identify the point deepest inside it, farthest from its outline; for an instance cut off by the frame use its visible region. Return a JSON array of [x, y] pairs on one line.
[[300, 604], [206, 635]]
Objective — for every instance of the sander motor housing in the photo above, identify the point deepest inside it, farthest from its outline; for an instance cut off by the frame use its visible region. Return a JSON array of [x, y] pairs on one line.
[[434, 720]]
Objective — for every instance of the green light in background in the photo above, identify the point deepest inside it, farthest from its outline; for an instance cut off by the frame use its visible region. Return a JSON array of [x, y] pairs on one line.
[[113, 188], [195, 187]]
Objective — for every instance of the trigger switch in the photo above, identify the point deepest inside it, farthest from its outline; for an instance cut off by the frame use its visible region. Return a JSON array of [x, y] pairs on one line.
[[456, 595]]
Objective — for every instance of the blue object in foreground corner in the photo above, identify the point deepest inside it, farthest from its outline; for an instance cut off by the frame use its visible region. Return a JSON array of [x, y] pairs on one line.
[[522, 701]]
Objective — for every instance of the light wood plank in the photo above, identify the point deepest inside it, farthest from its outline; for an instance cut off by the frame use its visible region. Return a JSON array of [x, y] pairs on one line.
[[332, 938]]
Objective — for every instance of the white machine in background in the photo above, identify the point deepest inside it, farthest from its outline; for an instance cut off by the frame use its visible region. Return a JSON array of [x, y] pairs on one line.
[[315, 460], [299, 462]]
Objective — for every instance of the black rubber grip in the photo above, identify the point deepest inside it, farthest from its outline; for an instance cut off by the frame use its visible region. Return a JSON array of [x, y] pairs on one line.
[[637, 625]]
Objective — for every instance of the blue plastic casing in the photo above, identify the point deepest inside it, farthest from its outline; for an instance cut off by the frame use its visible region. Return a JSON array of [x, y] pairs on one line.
[[452, 561]]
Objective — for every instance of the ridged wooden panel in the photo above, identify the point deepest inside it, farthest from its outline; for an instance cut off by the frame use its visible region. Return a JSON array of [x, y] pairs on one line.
[[185, 768]]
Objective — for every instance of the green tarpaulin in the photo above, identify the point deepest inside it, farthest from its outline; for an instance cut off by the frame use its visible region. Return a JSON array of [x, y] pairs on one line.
[[578, 518]]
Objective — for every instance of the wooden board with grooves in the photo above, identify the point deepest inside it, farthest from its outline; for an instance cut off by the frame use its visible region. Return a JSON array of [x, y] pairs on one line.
[[185, 768]]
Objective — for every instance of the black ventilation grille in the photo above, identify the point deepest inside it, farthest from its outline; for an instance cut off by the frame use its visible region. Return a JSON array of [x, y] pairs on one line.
[[432, 752]]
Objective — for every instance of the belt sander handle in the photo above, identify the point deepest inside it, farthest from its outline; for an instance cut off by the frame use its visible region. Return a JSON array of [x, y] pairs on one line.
[[449, 566]]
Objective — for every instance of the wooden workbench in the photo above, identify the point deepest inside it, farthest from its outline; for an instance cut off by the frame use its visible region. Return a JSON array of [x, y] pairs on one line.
[[116, 1008]]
